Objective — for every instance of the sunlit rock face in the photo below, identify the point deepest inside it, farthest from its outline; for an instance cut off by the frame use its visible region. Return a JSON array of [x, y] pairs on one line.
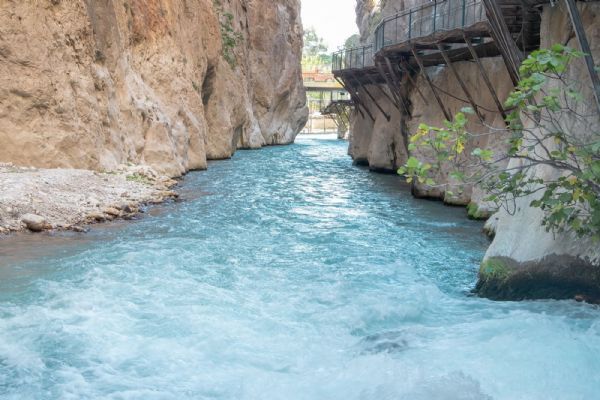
[[524, 259], [90, 84]]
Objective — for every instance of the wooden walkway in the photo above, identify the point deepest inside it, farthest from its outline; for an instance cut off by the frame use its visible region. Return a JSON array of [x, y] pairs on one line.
[[435, 33]]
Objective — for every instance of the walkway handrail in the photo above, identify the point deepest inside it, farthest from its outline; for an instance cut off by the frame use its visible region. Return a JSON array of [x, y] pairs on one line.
[[427, 19], [417, 22], [354, 58]]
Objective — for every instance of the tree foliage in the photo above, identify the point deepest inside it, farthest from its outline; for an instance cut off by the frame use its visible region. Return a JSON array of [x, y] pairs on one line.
[[352, 42], [230, 38], [549, 128], [315, 50]]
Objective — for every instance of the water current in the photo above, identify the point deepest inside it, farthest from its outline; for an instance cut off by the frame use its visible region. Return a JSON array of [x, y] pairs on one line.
[[285, 273]]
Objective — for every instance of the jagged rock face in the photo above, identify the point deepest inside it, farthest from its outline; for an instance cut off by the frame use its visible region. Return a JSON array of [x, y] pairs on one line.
[[94, 84], [366, 18], [525, 261]]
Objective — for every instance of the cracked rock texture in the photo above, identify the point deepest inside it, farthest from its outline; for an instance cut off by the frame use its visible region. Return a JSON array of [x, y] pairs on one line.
[[94, 84]]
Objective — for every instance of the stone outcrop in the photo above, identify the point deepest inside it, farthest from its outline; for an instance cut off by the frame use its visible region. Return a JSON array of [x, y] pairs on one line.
[[524, 260], [95, 84]]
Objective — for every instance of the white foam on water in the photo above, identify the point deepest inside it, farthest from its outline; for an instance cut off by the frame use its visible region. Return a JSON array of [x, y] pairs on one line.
[[258, 293]]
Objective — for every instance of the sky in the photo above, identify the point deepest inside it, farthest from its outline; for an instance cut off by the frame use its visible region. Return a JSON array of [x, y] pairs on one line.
[[334, 20]]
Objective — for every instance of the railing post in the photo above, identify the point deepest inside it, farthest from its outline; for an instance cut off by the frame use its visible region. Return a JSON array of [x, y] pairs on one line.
[[410, 24], [464, 3], [434, 13], [363, 58]]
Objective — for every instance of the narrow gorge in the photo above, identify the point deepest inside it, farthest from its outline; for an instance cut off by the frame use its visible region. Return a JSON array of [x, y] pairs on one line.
[[299, 199]]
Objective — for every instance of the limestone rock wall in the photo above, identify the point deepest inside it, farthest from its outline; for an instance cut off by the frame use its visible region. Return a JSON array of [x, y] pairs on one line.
[[426, 109], [524, 260], [94, 84]]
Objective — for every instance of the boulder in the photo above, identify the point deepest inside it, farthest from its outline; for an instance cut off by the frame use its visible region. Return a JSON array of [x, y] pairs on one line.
[[35, 223]]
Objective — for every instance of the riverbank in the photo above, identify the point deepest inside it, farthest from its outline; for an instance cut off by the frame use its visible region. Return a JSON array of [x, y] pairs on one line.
[[285, 273], [69, 199]]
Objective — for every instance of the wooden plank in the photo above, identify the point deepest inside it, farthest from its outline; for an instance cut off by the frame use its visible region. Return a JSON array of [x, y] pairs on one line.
[[364, 88], [431, 86], [486, 78], [390, 85], [585, 48], [461, 83]]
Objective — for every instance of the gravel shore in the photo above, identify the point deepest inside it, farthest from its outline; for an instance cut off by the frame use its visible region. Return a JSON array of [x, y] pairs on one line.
[[68, 199]]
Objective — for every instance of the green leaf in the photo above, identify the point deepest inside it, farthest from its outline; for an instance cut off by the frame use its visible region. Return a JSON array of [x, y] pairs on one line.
[[412, 162]]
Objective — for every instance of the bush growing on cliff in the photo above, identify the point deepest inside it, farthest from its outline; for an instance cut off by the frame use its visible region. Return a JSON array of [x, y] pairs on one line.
[[229, 37], [549, 126]]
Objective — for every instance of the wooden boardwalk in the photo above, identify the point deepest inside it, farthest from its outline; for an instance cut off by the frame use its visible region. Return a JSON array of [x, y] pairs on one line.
[[435, 33]]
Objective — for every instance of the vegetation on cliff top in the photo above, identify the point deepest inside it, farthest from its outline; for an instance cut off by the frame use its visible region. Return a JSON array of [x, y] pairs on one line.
[[229, 37], [543, 131]]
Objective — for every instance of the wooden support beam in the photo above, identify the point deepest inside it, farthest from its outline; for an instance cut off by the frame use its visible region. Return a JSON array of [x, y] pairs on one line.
[[397, 84], [389, 84], [364, 88], [486, 78], [431, 86], [585, 48], [461, 83], [354, 97], [412, 81], [395, 77], [358, 100], [501, 34], [378, 85]]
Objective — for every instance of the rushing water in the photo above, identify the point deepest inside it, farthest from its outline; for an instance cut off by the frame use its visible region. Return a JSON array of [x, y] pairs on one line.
[[285, 273]]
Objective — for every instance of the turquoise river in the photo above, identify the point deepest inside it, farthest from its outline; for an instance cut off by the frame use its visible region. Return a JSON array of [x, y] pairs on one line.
[[283, 274]]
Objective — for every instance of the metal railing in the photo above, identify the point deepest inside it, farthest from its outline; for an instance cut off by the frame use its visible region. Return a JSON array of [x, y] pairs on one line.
[[355, 58], [427, 19], [420, 21]]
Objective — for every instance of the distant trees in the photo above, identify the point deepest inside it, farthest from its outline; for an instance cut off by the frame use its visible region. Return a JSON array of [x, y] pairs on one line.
[[352, 41], [315, 51]]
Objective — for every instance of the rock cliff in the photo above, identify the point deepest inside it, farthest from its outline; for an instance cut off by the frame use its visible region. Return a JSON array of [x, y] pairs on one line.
[[168, 83], [524, 260]]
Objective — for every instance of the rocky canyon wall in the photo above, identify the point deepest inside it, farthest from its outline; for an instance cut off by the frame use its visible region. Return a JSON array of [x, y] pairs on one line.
[[169, 83], [524, 260]]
